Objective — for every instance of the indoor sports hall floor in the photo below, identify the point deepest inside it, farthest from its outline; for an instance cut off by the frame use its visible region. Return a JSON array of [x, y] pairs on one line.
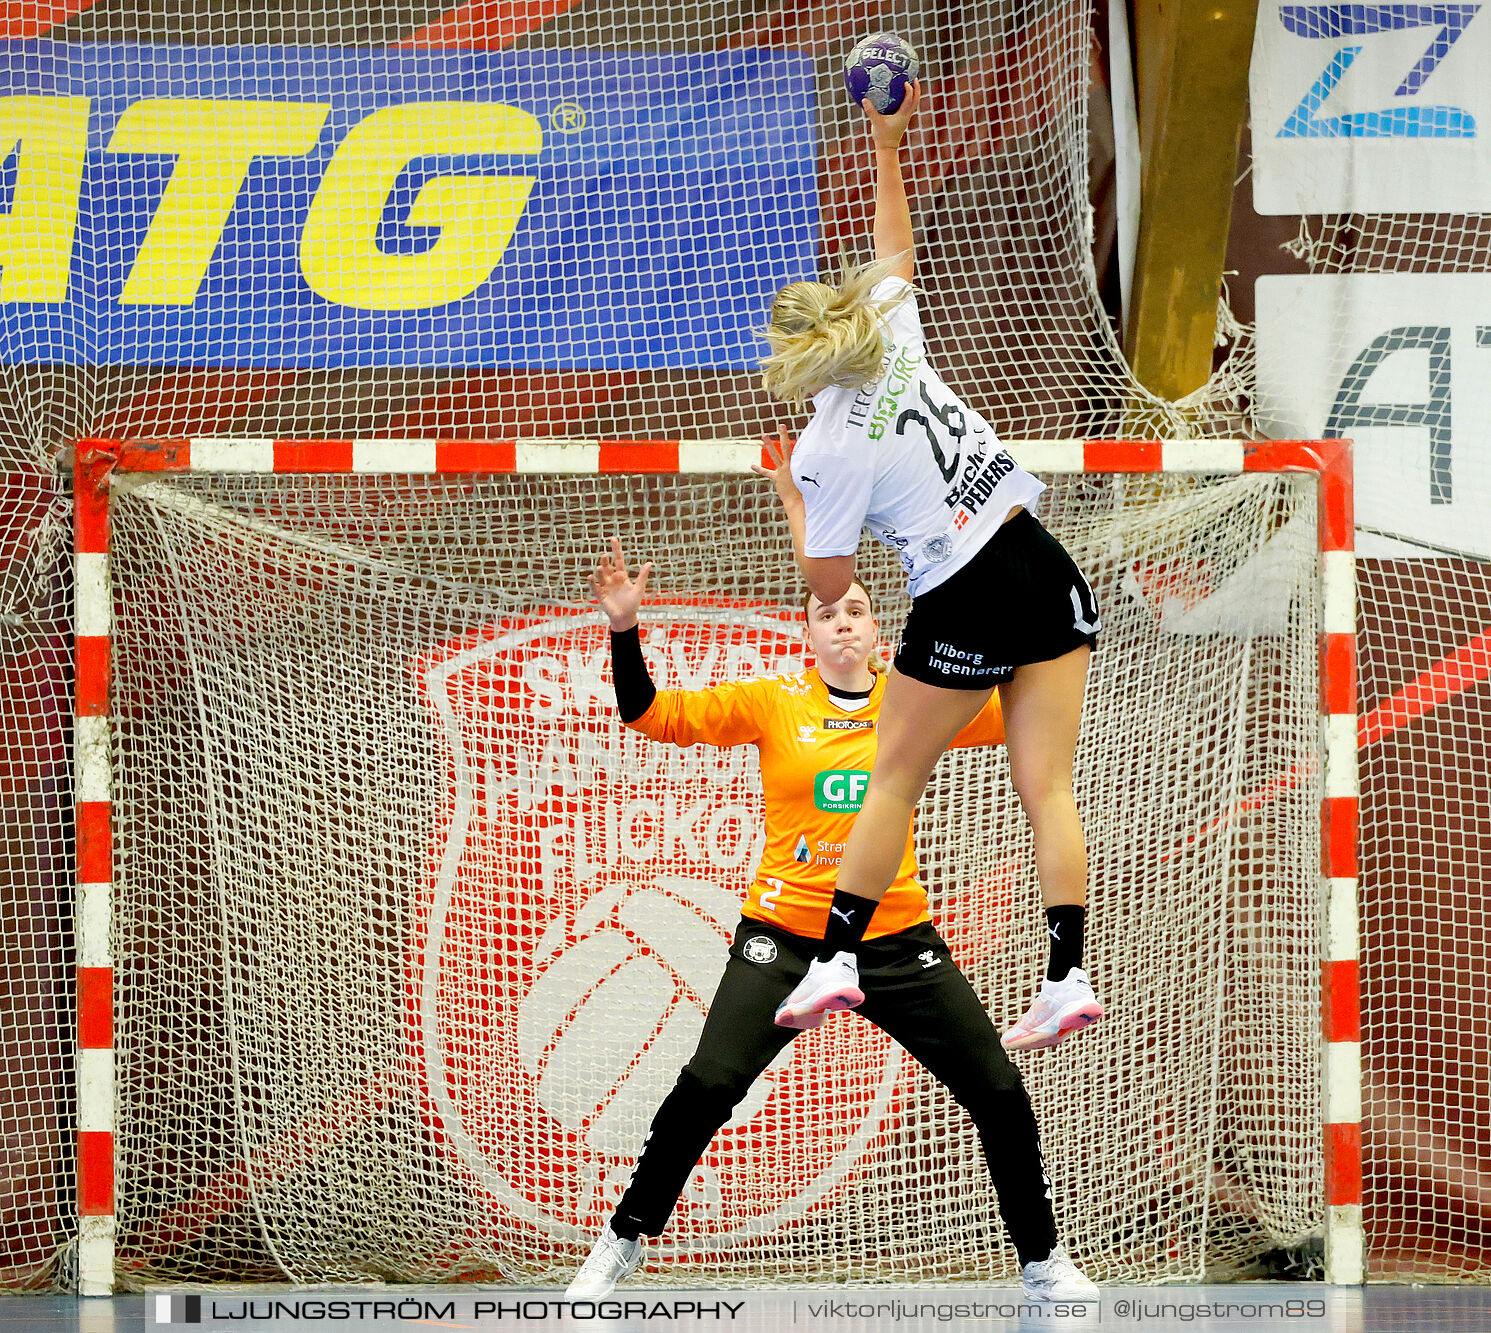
[[1246, 1307]]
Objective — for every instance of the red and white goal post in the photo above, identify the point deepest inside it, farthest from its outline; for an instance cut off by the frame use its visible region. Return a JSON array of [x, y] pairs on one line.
[[389, 939]]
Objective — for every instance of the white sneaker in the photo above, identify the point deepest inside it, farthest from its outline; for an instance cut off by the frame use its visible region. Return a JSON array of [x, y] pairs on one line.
[[830, 985], [1056, 1279], [610, 1261], [1061, 1008]]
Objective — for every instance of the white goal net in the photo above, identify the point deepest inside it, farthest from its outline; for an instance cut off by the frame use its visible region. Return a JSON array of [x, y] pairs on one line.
[[412, 936], [232, 219]]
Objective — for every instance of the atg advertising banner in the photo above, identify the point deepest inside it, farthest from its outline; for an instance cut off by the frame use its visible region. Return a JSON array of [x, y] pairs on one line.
[[272, 206], [1381, 108], [1401, 364]]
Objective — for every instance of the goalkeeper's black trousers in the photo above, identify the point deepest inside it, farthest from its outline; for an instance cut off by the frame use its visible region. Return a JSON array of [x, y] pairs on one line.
[[917, 994]]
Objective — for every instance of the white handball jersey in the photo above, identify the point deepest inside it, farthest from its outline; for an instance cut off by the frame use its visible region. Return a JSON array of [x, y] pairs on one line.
[[907, 459]]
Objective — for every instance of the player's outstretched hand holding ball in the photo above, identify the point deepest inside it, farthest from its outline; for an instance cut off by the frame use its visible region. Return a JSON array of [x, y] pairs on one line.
[[880, 70], [888, 130]]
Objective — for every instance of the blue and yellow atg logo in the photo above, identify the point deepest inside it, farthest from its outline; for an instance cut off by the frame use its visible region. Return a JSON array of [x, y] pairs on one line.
[[213, 145], [278, 206]]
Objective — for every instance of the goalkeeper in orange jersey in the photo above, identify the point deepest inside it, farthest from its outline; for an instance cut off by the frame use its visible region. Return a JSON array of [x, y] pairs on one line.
[[996, 601], [911, 988]]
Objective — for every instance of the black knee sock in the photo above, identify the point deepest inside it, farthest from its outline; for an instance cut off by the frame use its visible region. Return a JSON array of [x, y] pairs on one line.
[[848, 916], [1064, 924]]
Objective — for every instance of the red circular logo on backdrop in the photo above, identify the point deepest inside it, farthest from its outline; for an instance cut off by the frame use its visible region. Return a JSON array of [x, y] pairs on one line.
[[585, 883]]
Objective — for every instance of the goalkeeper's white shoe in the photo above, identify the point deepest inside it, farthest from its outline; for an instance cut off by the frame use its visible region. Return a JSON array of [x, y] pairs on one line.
[[612, 1260], [1056, 1278], [827, 986], [1061, 1008]]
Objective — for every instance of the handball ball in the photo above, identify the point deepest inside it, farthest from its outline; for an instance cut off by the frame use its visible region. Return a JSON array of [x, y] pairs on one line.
[[881, 68]]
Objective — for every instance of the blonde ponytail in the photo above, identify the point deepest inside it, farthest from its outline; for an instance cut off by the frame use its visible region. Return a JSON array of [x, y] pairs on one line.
[[821, 335]]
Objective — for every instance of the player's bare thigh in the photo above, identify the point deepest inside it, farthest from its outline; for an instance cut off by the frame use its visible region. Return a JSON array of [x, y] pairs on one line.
[[1043, 714], [917, 723]]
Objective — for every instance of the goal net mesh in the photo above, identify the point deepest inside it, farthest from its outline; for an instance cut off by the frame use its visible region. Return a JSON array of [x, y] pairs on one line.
[[412, 936], [1425, 678], [998, 182]]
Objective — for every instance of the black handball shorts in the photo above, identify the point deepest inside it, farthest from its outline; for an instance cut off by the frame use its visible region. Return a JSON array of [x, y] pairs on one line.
[[1021, 599]]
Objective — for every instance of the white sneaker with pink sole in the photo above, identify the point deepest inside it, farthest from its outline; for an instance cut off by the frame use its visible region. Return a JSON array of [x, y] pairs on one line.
[[1061, 1008]]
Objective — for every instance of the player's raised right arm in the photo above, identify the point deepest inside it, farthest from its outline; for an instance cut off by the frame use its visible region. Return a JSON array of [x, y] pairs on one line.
[[721, 715], [893, 234], [620, 597], [618, 593]]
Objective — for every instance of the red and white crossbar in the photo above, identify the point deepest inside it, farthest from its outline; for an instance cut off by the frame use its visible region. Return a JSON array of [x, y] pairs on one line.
[[96, 460], [556, 456]]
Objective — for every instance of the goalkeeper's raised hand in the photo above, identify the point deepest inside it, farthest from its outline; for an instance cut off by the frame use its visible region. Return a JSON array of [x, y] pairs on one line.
[[618, 594]]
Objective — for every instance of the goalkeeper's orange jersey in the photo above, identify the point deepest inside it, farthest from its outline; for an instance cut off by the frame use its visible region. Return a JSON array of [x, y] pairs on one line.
[[815, 766]]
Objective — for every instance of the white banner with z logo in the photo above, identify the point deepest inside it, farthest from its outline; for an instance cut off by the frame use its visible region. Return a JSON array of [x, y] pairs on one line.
[[1376, 108]]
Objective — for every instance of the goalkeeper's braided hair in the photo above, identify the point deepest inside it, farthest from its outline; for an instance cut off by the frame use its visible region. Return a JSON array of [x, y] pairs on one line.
[[820, 334]]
